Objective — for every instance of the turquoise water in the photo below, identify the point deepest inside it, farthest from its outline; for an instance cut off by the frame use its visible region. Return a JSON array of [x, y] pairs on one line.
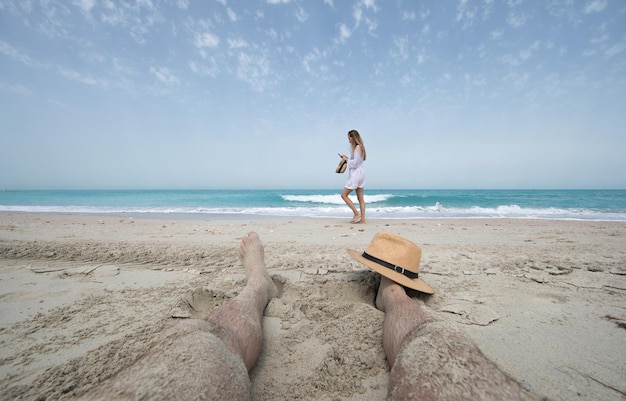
[[394, 204]]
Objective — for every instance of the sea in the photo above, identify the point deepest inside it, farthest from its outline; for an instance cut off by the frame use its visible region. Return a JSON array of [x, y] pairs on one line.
[[598, 205]]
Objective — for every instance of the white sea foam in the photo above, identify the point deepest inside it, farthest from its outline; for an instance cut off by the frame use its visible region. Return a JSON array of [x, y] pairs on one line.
[[392, 204], [340, 211], [334, 199]]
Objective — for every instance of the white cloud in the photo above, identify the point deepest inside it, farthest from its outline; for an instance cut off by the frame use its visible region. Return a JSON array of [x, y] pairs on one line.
[[358, 14], [310, 58], [421, 56], [475, 80], [139, 18], [85, 5], [488, 10], [182, 4], [15, 89], [589, 53], [76, 76], [145, 3], [594, 6], [522, 54], [25, 5], [516, 79], [516, 19], [317, 64], [206, 39], [254, 70], [278, 1], [496, 34], [615, 49], [210, 70], [272, 33], [369, 4], [236, 43], [301, 15], [408, 15], [121, 67], [108, 4], [231, 14], [464, 14], [371, 25], [114, 16], [408, 78], [164, 75], [400, 49], [600, 39], [12, 52], [344, 33]]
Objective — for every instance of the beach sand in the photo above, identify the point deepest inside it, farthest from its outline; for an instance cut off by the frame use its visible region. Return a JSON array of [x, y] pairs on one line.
[[82, 296]]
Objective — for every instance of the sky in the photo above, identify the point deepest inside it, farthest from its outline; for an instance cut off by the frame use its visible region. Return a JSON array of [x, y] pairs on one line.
[[211, 94]]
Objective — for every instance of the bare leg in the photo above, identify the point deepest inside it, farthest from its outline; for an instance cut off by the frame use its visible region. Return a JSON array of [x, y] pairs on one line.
[[346, 198], [203, 359], [240, 319], [431, 361], [361, 199]]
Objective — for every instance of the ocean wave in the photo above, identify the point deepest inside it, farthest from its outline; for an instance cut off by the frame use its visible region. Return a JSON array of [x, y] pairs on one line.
[[331, 211], [334, 199]]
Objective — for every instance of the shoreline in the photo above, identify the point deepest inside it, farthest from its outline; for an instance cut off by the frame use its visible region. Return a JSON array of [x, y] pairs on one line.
[[223, 217], [79, 288]]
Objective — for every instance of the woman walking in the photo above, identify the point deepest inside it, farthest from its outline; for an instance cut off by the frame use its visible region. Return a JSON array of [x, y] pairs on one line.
[[356, 176]]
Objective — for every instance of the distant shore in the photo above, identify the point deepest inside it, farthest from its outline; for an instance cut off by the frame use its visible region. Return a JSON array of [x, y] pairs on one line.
[[82, 295]]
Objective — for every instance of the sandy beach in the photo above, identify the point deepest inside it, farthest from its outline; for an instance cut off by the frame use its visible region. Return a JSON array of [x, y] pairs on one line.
[[82, 296]]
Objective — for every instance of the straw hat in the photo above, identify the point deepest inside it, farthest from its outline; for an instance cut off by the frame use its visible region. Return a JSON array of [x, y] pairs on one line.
[[341, 167], [396, 258]]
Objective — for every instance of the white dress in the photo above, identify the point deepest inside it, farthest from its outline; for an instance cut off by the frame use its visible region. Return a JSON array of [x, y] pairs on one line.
[[356, 171]]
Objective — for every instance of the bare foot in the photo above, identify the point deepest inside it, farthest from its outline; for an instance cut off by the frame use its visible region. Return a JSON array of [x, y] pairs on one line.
[[252, 257], [356, 219]]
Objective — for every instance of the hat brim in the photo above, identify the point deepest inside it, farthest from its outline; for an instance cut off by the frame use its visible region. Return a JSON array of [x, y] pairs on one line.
[[416, 284], [341, 168]]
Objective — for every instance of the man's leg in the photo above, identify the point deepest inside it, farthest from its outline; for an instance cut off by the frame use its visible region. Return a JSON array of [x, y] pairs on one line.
[[431, 361], [204, 359], [239, 321]]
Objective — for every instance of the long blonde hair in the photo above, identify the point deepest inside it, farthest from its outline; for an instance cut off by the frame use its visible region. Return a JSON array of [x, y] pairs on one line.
[[354, 134]]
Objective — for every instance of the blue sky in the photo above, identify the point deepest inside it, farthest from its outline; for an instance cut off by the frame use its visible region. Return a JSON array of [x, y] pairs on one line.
[[261, 94]]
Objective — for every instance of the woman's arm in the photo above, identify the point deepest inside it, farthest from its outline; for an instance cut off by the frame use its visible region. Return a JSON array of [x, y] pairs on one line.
[[357, 160]]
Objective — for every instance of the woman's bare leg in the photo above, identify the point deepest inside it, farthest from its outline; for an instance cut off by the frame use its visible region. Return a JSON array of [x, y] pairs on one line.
[[346, 198], [203, 359], [361, 199], [431, 361]]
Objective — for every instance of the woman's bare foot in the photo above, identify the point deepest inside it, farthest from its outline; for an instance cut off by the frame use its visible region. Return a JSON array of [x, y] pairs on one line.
[[356, 219], [252, 257]]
